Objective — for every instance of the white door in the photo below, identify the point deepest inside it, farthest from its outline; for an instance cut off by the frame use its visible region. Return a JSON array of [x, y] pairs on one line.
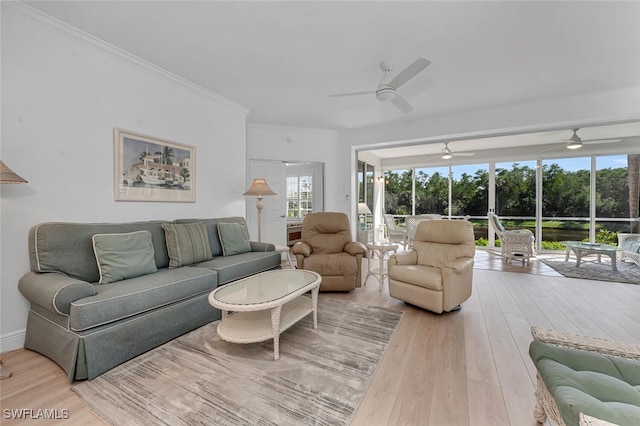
[[274, 212]]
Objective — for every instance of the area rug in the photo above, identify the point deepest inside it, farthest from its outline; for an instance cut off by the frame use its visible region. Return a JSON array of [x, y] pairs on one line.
[[320, 378], [627, 273]]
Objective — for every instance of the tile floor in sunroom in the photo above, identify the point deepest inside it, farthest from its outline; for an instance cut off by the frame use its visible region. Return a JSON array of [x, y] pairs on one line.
[[491, 260]]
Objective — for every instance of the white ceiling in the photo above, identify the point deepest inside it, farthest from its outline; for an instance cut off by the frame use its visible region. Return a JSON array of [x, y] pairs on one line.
[[282, 60]]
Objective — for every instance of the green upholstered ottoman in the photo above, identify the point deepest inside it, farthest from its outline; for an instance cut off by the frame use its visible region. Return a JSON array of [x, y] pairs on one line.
[[578, 374]]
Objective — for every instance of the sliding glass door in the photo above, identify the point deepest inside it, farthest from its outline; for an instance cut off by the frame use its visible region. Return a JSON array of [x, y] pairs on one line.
[[583, 198]]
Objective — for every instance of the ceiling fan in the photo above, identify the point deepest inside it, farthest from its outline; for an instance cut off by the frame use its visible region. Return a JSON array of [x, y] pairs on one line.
[[387, 89], [447, 154], [575, 141]]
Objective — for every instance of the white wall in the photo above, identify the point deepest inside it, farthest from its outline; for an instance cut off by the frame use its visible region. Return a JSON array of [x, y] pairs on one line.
[[267, 142], [62, 94]]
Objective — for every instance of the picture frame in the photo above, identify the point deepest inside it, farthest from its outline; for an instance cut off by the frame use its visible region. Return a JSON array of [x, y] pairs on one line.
[[148, 168]]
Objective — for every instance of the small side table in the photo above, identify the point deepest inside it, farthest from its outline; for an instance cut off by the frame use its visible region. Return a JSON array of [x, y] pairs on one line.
[[380, 248], [285, 249]]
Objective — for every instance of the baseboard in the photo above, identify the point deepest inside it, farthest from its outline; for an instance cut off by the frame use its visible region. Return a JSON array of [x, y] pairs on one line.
[[12, 341]]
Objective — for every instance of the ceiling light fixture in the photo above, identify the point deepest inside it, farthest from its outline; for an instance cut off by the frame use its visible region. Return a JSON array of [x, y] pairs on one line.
[[446, 152], [386, 94], [574, 144]]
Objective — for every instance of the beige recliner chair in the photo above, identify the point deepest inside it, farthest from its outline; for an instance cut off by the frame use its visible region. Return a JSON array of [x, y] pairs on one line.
[[437, 273], [328, 249]]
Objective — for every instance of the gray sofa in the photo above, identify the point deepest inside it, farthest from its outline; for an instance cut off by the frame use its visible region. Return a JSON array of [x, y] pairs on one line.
[[88, 327]]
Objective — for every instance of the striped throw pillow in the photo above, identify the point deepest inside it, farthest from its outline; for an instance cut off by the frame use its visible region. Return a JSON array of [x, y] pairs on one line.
[[187, 243]]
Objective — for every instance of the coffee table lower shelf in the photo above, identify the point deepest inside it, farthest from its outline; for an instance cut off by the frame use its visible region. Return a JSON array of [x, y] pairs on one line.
[[258, 326]]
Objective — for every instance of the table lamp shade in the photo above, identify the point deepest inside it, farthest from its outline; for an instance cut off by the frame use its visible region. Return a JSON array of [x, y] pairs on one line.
[[9, 176], [259, 189], [363, 209]]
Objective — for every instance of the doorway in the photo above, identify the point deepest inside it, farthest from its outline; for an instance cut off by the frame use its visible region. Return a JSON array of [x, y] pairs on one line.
[[300, 190]]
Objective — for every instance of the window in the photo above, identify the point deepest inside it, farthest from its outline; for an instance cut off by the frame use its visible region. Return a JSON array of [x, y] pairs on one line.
[[365, 184], [432, 190], [565, 200], [589, 198], [299, 196], [612, 198], [398, 193], [469, 190]]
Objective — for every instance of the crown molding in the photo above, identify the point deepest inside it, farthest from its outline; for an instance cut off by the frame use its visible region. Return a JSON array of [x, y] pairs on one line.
[[34, 16], [277, 127]]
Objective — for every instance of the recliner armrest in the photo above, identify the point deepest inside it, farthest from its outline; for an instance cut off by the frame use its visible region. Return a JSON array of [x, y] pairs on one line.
[[355, 248], [460, 265], [403, 258], [54, 291], [301, 248]]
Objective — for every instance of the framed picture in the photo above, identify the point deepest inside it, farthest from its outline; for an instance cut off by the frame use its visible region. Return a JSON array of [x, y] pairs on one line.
[[147, 168]]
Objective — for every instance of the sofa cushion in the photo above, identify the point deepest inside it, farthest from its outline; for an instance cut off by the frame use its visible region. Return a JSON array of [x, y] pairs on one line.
[[67, 247], [124, 299], [601, 386], [231, 268], [122, 256], [212, 230], [187, 243], [234, 238]]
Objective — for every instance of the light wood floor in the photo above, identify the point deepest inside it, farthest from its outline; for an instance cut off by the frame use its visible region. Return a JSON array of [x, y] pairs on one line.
[[469, 367]]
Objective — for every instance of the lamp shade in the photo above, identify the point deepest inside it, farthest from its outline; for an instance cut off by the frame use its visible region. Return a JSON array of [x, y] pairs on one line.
[[9, 176], [363, 209], [259, 188]]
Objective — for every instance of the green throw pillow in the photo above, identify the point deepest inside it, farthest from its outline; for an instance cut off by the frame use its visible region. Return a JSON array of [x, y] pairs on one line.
[[122, 256], [187, 243], [234, 238]]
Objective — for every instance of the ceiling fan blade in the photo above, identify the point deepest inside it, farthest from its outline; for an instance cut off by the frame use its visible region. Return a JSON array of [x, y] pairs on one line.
[[402, 104], [368, 92], [463, 154], [409, 72], [590, 141]]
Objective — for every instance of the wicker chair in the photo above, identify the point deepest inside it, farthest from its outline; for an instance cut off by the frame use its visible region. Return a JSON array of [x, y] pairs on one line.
[[514, 244], [628, 243], [394, 232], [546, 405]]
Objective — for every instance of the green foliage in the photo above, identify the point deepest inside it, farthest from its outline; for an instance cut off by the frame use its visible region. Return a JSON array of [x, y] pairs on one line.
[[482, 242], [565, 193], [604, 236], [553, 245]]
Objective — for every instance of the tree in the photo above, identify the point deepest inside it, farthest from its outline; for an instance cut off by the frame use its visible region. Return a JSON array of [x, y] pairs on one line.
[[398, 192], [167, 155], [432, 193], [185, 173], [144, 155], [612, 189]]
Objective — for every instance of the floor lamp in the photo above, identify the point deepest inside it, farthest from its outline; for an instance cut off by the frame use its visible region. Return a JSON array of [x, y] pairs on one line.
[[8, 176], [259, 188]]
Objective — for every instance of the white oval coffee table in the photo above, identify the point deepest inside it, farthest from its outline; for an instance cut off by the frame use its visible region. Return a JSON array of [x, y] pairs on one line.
[[262, 306]]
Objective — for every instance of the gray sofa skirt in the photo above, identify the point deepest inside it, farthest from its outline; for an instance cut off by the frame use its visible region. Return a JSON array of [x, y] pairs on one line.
[[88, 354]]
